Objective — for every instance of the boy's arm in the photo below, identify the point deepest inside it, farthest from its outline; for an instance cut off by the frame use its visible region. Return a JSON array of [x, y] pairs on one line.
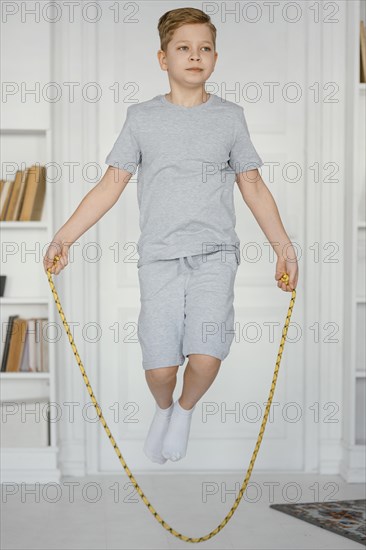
[[262, 204], [94, 205]]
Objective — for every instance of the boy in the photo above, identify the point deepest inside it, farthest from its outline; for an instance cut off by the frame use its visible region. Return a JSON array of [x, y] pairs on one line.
[[190, 147]]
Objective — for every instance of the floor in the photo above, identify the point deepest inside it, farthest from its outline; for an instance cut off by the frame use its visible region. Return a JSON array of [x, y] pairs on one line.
[[106, 512]]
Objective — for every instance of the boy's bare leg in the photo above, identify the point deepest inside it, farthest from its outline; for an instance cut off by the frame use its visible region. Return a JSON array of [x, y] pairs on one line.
[[162, 382], [200, 372], [167, 439], [198, 377]]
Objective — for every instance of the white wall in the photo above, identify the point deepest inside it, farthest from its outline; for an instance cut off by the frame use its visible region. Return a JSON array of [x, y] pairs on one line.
[[306, 132]]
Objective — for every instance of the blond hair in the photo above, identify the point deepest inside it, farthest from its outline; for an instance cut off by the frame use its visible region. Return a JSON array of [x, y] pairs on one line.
[[170, 21]]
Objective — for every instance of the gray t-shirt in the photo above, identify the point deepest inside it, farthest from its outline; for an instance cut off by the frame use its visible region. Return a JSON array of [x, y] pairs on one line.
[[187, 158]]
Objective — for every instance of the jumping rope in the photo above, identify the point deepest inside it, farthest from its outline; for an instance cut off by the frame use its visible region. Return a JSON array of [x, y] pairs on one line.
[[285, 279]]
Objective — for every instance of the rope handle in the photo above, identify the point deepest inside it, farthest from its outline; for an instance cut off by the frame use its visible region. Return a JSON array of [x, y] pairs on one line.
[[285, 279]]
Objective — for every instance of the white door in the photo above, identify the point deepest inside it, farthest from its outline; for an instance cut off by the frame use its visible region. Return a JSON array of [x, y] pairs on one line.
[[228, 417]]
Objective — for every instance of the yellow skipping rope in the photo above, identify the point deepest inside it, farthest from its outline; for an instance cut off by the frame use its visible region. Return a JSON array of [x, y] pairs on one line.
[[285, 279]]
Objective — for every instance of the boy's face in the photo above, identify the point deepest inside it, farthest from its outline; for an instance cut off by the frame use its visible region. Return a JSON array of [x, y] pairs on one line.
[[190, 46]]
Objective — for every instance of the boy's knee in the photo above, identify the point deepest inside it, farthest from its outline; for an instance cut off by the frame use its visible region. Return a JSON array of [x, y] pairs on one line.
[[200, 360], [162, 374]]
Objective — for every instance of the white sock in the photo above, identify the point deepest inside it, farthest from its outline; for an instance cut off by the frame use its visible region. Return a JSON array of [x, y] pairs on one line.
[[154, 439], [176, 439]]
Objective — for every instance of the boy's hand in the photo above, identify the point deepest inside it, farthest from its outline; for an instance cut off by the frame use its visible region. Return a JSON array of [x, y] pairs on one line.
[[56, 248], [290, 267]]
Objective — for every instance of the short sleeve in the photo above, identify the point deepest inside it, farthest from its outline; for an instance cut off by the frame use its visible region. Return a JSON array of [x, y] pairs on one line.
[[243, 155], [125, 153]]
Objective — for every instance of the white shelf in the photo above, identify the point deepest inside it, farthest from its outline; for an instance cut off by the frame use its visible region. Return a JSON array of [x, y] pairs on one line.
[[49, 449], [361, 225], [24, 375], [23, 225], [23, 301], [22, 131]]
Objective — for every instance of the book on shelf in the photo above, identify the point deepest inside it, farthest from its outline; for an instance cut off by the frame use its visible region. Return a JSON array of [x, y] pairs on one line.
[[362, 52], [25, 349], [22, 199]]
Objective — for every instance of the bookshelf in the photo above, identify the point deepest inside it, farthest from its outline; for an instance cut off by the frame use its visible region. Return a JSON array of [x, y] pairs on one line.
[[354, 324], [29, 450], [360, 306]]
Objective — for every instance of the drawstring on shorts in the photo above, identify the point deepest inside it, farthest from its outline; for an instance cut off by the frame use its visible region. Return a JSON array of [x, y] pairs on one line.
[[191, 261]]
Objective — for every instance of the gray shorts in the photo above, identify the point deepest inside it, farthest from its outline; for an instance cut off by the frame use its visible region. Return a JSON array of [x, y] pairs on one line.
[[187, 307]]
